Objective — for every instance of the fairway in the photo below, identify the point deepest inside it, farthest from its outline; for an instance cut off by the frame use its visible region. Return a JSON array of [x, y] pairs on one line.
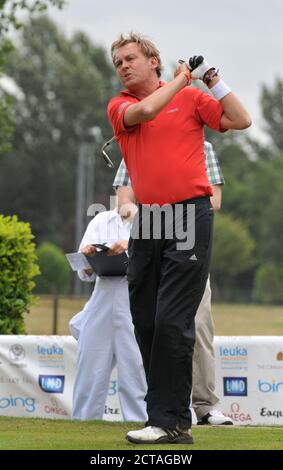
[[230, 319], [44, 434]]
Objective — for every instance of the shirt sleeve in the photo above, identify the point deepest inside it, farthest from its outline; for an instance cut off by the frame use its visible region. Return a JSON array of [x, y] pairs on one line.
[[213, 169], [209, 111], [116, 110], [122, 176], [91, 236]]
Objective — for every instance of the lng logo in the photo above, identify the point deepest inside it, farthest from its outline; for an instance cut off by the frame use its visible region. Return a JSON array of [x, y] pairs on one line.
[[52, 383], [235, 386]]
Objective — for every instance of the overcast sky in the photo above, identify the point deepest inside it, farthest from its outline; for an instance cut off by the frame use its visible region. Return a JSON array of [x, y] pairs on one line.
[[243, 38]]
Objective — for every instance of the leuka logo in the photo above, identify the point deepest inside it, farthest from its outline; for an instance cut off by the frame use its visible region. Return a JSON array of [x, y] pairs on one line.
[[269, 387], [235, 386], [233, 352], [52, 383], [53, 350]]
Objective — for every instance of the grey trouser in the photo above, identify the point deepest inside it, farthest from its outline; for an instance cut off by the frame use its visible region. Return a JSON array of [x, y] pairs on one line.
[[203, 393]]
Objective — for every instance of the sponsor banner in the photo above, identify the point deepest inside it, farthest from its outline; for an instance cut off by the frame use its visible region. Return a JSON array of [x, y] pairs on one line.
[[33, 369], [37, 376], [249, 378]]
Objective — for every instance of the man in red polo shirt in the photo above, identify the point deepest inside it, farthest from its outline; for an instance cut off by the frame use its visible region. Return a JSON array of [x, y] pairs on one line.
[[160, 131]]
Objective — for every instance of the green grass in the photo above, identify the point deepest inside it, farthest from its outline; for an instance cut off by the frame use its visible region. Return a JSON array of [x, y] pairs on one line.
[[45, 434], [230, 319], [28, 433]]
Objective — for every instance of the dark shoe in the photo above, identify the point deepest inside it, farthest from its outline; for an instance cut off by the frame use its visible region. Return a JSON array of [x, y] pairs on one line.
[[179, 435]]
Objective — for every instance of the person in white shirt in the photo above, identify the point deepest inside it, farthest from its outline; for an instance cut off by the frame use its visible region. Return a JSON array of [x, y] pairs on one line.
[[105, 333]]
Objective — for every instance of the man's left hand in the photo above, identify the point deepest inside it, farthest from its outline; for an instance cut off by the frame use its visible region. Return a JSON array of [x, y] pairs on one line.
[[183, 68]]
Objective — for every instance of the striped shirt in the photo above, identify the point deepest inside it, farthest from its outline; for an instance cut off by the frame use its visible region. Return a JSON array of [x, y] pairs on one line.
[[214, 173]]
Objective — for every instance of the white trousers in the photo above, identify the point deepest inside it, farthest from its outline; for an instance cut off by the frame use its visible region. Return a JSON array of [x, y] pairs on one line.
[[106, 337]]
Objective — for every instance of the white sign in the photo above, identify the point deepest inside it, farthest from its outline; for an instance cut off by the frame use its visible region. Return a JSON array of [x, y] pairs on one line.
[[37, 376]]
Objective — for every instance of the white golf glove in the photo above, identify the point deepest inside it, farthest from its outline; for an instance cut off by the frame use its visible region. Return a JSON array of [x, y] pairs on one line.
[[199, 68]]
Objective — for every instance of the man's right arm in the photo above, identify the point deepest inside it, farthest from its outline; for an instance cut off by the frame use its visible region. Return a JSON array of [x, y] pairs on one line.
[[149, 107]]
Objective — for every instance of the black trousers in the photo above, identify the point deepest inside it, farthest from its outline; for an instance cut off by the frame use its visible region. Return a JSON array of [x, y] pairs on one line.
[[166, 286]]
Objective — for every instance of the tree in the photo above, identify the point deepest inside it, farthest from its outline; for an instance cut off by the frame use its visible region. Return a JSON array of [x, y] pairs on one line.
[[238, 170], [268, 192], [9, 19], [232, 255], [268, 285], [272, 109], [10, 9], [67, 84], [55, 273], [7, 122]]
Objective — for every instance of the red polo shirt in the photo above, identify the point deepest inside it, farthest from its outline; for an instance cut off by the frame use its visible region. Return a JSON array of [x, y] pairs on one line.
[[165, 156]]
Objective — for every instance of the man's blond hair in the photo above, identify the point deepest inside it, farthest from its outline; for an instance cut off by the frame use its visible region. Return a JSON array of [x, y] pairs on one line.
[[146, 45]]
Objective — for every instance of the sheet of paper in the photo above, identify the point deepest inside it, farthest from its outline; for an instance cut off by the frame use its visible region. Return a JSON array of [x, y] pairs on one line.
[[78, 261]]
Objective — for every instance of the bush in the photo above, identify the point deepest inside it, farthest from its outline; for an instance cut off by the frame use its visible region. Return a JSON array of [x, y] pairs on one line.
[[55, 270], [17, 270], [268, 284]]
